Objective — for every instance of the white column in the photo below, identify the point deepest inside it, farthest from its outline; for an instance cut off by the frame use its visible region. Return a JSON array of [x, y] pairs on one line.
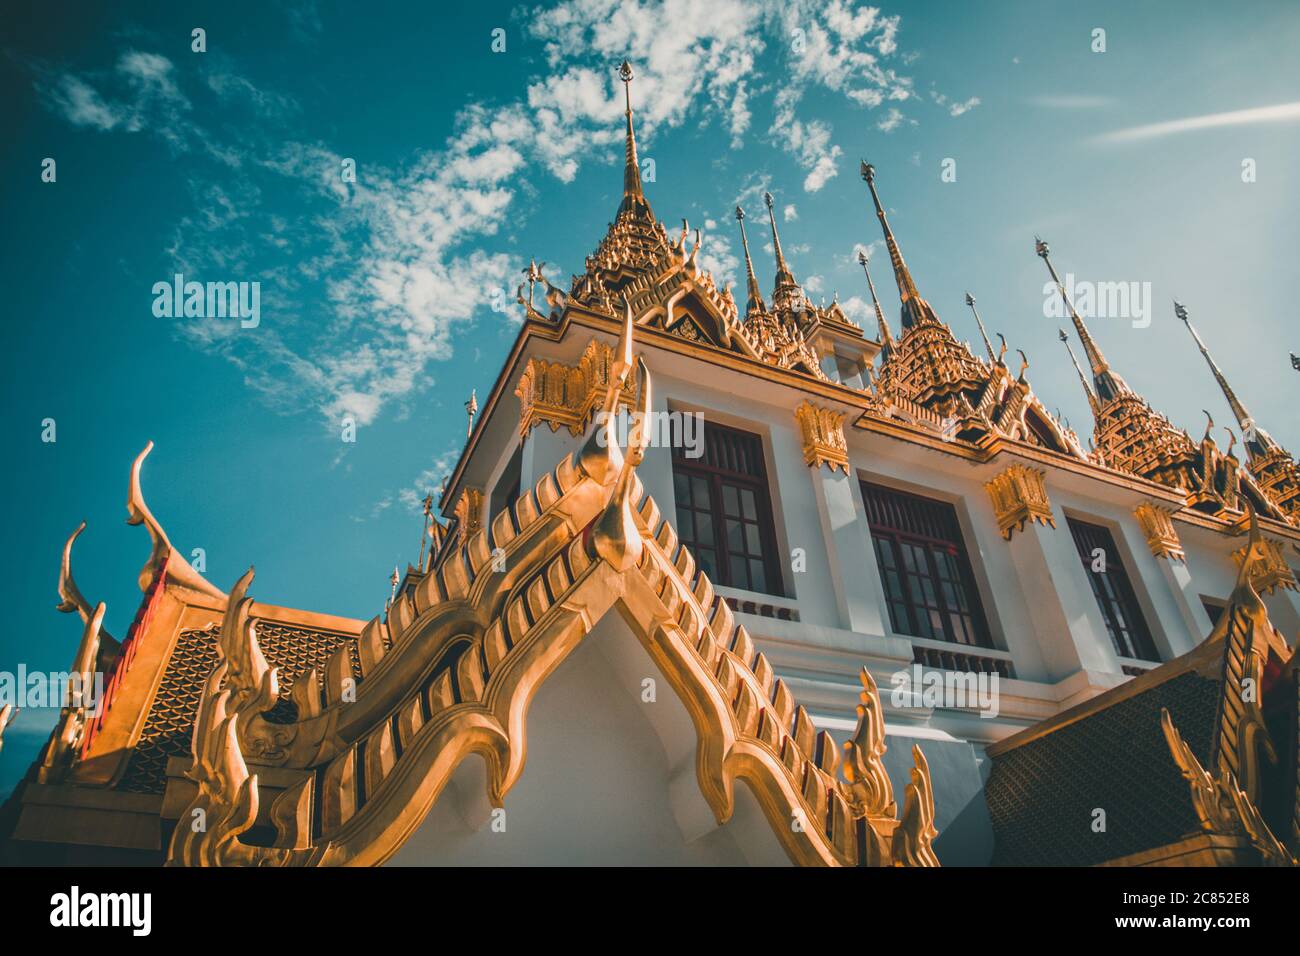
[[854, 572], [1062, 608]]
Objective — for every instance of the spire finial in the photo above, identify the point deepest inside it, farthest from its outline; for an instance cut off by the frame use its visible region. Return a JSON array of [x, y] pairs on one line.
[[988, 346], [632, 195], [785, 286], [1108, 383], [755, 302], [471, 409], [915, 309], [1238, 409], [886, 337], [1083, 379]]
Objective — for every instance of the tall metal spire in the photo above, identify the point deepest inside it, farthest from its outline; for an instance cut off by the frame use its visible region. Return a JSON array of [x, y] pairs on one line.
[[1083, 379], [755, 301], [633, 198], [915, 309], [886, 337], [785, 282], [988, 346], [1238, 409], [1109, 383]]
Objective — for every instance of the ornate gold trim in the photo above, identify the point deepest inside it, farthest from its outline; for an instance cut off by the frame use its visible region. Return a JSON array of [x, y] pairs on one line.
[[469, 513], [823, 437], [1220, 805], [1269, 570], [1158, 526], [180, 570], [565, 396], [1018, 496], [578, 546]]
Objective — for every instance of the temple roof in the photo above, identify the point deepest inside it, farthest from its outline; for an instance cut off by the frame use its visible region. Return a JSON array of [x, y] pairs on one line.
[[1178, 751]]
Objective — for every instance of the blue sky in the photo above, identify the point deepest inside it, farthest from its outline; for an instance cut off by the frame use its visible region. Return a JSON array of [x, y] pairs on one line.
[[377, 295]]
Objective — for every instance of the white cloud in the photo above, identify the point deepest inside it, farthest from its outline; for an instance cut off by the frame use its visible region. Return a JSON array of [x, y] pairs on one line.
[[1281, 113], [365, 292]]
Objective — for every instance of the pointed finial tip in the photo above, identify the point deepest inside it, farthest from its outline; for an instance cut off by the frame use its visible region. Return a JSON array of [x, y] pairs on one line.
[[868, 171], [740, 213], [970, 299], [1061, 334], [1040, 247], [767, 199], [862, 257], [1180, 310], [625, 72]]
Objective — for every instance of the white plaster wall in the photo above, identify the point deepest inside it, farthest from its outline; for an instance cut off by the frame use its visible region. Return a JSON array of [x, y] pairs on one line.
[[609, 780]]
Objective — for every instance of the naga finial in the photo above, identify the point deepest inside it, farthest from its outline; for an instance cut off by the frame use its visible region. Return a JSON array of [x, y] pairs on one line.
[[137, 512]]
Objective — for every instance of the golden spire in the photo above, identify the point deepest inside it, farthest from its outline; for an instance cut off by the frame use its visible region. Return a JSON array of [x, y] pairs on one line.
[[633, 199], [786, 287], [1262, 439], [886, 337], [1109, 383], [988, 346], [755, 302], [915, 309], [424, 531], [471, 409], [1083, 379]]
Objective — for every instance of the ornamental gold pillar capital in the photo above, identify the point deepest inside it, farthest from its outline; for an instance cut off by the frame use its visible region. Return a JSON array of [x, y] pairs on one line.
[[822, 431], [1158, 525], [565, 396], [1019, 496]]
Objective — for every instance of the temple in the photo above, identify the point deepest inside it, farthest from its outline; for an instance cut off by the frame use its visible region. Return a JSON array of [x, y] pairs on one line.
[[870, 604]]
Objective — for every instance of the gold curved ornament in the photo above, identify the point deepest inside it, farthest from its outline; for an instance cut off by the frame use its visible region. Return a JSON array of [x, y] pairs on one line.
[[71, 599], [138, 513], [869, 783], [912, 843], [453, 667]]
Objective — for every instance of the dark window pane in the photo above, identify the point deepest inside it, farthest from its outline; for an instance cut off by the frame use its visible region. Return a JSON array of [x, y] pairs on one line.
[[927, 577]]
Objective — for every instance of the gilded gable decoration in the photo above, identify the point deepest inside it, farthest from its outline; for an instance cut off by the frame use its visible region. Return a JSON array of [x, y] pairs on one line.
[[1269, 570], [565, 396], [823, 437], [597, 542], [1158, 526], [469, 513], [1018, 496]]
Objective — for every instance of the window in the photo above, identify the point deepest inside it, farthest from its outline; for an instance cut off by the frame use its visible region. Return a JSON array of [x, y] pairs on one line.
[[1110, 585], [724, 514], [924, 568]]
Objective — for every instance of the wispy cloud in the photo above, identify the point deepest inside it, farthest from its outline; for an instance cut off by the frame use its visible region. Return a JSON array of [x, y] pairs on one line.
[[1281, 113], [365, 283]]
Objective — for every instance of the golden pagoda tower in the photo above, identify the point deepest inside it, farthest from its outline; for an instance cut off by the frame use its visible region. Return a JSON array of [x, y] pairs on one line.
[[1130, 435], [1274, 470]]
